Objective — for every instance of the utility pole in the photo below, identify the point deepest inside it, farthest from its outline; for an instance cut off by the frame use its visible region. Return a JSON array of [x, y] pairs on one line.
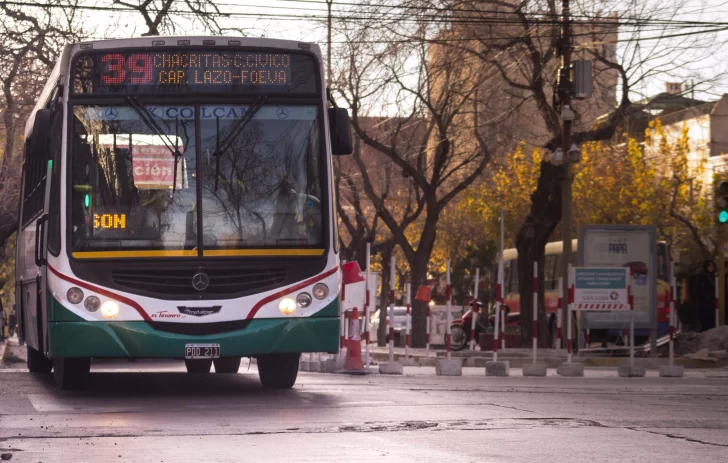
[[329, 74], [566, 117]]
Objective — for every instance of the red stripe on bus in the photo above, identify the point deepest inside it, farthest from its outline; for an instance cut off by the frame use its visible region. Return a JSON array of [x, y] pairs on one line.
[[275, 296], [102, 291]]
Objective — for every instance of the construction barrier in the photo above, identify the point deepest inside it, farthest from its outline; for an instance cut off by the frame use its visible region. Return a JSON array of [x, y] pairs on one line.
[[475, 310], [367, 304], [353, 363], [560, 314], [534, 329], [448, 297]]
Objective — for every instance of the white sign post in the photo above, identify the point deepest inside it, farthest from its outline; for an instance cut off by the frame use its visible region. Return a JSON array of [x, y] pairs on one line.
[[599, 289]]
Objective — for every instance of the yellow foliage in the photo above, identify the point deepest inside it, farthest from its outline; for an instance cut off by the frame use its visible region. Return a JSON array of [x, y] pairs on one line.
[[616, 183]]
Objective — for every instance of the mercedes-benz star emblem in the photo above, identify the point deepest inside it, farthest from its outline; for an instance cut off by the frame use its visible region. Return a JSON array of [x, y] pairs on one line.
[[200, 281], [111, 113], [282, 112]]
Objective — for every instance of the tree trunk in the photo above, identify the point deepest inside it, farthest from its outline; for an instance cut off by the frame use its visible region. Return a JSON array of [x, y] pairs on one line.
[[9, 113], [531, 239], [387, 251]]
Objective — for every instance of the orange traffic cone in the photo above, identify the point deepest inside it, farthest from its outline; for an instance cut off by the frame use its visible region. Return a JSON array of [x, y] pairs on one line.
[[353, 363]]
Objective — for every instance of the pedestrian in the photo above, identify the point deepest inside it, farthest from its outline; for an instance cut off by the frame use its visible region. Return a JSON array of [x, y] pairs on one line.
[[13, 323], [705, 296]]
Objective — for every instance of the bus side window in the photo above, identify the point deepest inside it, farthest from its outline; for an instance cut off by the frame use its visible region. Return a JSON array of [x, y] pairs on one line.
[[513, 283], [54, 213], [557, 270], [662, 270], [549, 272], [506, 276]]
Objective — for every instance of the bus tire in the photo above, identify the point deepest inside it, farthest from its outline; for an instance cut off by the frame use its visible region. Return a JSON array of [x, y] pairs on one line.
[[198, 365], [71, 373], [37, 362], [278, 371], [227, 365]]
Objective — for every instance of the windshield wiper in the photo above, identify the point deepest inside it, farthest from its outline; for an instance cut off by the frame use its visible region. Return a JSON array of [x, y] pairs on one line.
[[236, 130], [157, 130]]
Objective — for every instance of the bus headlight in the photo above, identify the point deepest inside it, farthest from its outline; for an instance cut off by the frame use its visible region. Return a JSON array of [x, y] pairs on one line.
[[110, 309], [92, 303], [74, 295], [287, 306], [304, 300], [320, 291]]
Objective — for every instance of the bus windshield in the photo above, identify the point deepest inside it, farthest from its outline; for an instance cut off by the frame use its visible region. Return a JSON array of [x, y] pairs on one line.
[[135, 174]]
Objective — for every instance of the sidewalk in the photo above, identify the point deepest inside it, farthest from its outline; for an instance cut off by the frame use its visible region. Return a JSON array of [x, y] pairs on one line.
[[5, 348], [2, 352], [521, 356]]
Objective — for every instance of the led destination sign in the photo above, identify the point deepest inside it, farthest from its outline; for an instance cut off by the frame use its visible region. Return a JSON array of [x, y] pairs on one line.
[[194, 71]]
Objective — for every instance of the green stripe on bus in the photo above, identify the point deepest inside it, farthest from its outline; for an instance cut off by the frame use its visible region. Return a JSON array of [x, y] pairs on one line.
[[139, 339]]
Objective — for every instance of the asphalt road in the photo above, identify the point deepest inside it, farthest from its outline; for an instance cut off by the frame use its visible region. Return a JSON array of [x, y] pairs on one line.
[[154, 411]]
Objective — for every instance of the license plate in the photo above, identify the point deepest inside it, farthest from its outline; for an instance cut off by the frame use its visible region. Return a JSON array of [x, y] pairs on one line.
[[202, 351]]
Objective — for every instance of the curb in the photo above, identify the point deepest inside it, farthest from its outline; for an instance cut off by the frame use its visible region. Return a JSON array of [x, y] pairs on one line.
[[553, 362]]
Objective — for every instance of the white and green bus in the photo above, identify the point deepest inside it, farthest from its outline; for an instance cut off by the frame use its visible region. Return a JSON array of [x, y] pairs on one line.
[[177, 202]]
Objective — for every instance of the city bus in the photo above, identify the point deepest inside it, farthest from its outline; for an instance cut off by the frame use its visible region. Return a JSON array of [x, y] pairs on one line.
[[177, 202], [552, 270]]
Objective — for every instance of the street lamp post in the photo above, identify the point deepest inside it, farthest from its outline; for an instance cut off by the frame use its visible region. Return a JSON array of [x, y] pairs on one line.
[[567, 116]]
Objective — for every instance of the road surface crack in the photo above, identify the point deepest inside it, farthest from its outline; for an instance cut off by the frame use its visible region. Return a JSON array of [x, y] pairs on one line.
[[675, 436]]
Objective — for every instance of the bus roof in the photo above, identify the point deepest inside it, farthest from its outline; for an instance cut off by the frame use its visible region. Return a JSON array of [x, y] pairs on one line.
[[170, 41], [555, 247]]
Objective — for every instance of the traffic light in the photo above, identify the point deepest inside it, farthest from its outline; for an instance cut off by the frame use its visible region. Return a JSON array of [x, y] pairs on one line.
[[721, 202]]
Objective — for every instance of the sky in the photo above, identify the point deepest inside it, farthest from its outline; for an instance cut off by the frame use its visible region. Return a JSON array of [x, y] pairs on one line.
[[692, 62]]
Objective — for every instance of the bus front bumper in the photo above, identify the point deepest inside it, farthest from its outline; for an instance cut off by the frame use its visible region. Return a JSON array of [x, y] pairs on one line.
[[139, 339]]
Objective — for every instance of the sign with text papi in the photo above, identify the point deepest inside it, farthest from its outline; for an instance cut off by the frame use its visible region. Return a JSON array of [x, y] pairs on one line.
[[600, 288]]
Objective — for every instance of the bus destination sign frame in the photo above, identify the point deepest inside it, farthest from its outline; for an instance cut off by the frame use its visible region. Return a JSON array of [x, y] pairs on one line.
[[190, 71]]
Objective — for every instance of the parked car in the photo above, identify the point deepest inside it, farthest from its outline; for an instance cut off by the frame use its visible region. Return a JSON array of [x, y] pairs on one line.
[[400, 320]]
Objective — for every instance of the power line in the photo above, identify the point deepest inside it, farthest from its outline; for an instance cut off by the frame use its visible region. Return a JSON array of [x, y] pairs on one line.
[[496, 19]]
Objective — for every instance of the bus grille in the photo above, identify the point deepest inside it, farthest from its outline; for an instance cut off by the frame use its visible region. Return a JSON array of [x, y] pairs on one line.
[[237, 281]]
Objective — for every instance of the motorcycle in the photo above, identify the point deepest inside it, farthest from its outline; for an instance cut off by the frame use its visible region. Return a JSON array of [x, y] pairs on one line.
[[461, 328]]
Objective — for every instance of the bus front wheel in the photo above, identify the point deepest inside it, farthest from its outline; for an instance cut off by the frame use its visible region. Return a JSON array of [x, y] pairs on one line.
[[37, 362], [71, 373], [278, 371]]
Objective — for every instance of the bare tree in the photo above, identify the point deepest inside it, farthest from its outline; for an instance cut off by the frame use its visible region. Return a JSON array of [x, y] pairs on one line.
[[432, 107], [523, 41], [30, 42], [172, 16]]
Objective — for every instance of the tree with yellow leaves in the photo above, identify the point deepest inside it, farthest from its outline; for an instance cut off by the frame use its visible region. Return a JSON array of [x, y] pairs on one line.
[[623, 182]]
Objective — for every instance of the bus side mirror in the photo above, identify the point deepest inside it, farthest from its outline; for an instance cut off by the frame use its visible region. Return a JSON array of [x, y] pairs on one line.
[[41, 131], [340, 130]]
